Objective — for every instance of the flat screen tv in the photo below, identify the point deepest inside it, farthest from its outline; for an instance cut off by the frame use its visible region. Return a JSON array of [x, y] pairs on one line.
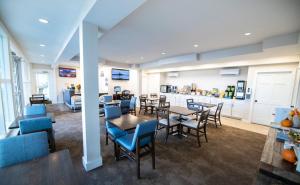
[[119, 74], [67, 72]]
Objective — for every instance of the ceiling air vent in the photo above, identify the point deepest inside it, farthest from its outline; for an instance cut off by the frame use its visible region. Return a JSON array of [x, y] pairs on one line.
[[230, 71], [173, 74]]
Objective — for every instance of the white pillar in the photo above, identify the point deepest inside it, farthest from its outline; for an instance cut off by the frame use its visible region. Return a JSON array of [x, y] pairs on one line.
[[89, 96]]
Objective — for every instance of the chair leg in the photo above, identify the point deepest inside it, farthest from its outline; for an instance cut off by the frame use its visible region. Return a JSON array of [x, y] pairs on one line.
[[220, 120], [167, 134], [205, 135], [215, 119], [138, 173], [116, 152], [153, 153], [106, 138], [198, 138]]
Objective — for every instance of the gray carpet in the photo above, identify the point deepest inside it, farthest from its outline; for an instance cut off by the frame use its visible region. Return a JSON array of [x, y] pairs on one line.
[[231, 156]]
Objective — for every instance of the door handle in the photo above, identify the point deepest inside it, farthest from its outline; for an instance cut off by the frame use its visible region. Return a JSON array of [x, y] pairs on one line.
[[255, 101]]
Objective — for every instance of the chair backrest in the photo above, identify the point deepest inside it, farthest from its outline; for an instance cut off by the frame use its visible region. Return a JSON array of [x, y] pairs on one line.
[[162, 113], [143, 100], [281, 113], [107, 98], [219, 108], [34, 109], [144, 95], [153, 95], [144, 129], [14, 150], [35, 125], [189, 101], [162, 100], [132, 104], [203, 119], [38, 96], [112, 112]]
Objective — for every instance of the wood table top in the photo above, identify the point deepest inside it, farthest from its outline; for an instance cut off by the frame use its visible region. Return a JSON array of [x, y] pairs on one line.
[[272, 165], [127, 121], [15, 124], [54, 169], [181, 110], [113, 102]]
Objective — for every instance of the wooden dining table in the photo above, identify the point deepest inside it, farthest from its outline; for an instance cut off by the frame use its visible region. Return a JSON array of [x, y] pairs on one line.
[[15, 124], [55, 169], [113, 102], [181, 111], [127, 121]]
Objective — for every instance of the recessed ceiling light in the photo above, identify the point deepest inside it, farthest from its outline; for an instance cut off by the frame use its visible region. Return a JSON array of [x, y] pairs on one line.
[[44, 21], [42, 45], [196, 45], [142, 58], [163, 53], [247, 34], [42, 55]]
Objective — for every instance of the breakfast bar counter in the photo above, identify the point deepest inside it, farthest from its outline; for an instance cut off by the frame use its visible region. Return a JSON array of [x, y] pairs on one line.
[[272, 168]]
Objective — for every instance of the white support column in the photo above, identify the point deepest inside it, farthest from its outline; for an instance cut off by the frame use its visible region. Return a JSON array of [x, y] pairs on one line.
[[89, 96]]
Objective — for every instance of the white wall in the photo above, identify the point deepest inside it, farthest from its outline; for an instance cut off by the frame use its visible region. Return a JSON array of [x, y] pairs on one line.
[[63, 82], [206, 79], [105, 76]]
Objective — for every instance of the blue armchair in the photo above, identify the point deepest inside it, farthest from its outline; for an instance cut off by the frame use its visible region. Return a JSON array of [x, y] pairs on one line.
[[14, 150], [38, 125], [125, 104], [107, 98], [112, 132], [131, 144], [35, 109]]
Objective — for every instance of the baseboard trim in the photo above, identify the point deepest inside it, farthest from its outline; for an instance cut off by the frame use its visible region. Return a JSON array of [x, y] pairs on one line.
[[90, 165]]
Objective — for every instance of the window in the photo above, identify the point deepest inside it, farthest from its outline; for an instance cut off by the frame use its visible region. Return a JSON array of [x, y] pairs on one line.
[[42, 83], [7, 114]]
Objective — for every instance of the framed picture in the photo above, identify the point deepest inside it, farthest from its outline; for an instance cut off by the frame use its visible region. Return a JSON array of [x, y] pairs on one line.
[[67, 72]]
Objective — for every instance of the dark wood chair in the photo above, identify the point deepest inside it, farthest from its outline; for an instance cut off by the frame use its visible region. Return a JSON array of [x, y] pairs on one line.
[[166, 121], [190, 105], [37, 99], [153, 95], [198, 126], [216, 115], [144, 106]]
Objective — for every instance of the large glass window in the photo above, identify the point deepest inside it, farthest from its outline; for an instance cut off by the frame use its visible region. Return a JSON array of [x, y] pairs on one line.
[[42, 83], [7, 114]]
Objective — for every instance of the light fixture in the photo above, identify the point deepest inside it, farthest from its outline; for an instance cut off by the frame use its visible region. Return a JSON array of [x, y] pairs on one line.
[[163, 53], [42, 45], [196, 45], [42, 55], [44, 21], [142, 58], [247, 34]]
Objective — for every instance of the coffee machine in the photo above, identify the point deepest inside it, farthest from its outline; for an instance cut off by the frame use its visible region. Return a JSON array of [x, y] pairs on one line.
[[240, 89]]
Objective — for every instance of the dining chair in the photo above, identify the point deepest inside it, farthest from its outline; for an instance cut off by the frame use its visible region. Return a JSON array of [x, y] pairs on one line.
[[216, 115], [162, 100], [144, 95], [112, 132], [144, 106], [153, 95], [107, 98], [191, 106], [198, 126], [166, 121], [18, 149], [34, 109], [39, 124], [132, 105], [138, 144]]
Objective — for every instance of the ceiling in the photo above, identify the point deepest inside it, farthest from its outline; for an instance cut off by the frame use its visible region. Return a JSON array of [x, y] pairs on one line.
[[174, 26], [21, 19]]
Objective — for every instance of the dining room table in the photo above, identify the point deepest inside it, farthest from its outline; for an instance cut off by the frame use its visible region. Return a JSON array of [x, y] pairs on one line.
[[15, 123], [203, 104], [127, 122], [181, 111], [54, 169], [113, 102]]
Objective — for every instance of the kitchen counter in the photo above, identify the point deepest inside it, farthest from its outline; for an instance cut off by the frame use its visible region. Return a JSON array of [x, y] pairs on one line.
[[232, 107]]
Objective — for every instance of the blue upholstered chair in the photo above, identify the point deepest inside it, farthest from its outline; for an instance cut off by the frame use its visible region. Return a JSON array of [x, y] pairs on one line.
[[281, 113], [143, 137], [107, 98], [38, 125], [14, 150], [112, 132], [35, 109], [132, 105]]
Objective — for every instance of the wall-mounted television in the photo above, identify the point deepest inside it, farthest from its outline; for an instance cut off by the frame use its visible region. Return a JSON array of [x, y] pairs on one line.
[[119, 74], [67, 72]]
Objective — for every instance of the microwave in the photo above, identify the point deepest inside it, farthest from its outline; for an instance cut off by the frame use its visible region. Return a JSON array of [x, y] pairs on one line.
[[165, 88]]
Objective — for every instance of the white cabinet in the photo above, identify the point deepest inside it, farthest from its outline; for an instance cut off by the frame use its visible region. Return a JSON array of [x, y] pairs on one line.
[[227, 107], [240, 108]]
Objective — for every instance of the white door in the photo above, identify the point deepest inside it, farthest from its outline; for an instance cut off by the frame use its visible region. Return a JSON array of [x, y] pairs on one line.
[[272, 90]]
